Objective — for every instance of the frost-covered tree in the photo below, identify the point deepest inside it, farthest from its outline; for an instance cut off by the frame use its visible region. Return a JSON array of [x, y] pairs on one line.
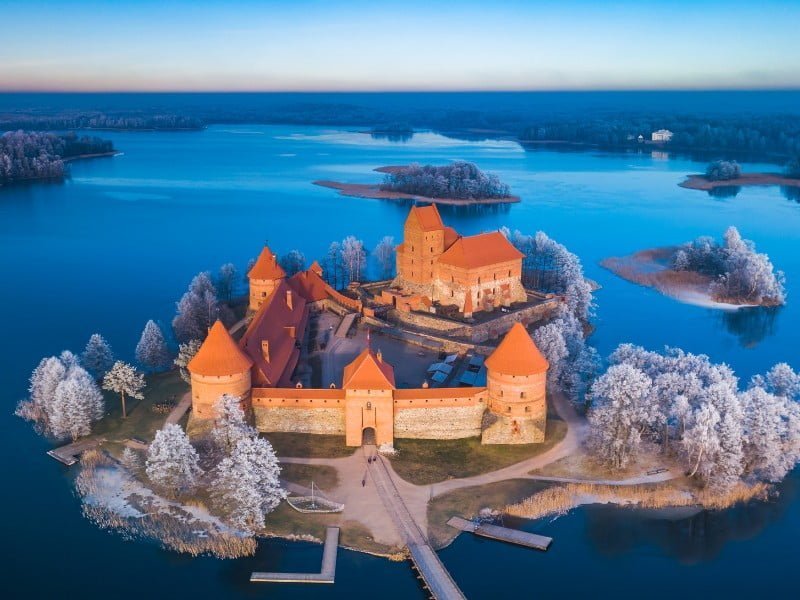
[[354, 258], [246, 484], [739, 273], [723, 170], [618, 413], [549, 267], [186, 353], [76, 404], [386, 255], [780, 380], [293, 262], [701, 442], [131, 460], [460, 179], [43, 383], [334, 271], [197, 310], [230, 424], [172, 462], [126, 381], [226, 281], [69, 359], [151, 351], [97, 357]]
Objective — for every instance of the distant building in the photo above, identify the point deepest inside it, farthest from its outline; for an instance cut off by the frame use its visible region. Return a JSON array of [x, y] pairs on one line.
[[662, 135]]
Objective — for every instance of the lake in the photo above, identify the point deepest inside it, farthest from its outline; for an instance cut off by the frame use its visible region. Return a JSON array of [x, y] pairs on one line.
[[118, 243]]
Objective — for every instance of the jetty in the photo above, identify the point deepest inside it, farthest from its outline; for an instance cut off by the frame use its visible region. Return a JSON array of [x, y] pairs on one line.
[[69, 454], [503, 534], [435, 577], [327, 572]]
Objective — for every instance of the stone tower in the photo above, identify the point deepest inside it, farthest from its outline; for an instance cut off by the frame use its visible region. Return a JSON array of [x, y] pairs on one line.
[[516, 377], [264, 277], [219, 367]]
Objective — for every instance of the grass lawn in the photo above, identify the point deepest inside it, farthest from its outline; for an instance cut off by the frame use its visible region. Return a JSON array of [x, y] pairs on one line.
[[308, 445], [324, 477], [467, 502], [428, 461], [142, 421]]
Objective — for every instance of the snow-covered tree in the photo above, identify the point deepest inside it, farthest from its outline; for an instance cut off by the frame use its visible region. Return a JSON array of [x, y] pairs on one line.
[[293, 262], [618, 413], [126, 381], [230, 424], [354, 258], [69, 359], [97, 357], [131, 460], [186, 353], [334, 271], [151, 351], [386, 256], [172, 462], [782, 380], [246, 484], [197, 310], [701, 441], [77, 403], [226, 281], [43, 383]]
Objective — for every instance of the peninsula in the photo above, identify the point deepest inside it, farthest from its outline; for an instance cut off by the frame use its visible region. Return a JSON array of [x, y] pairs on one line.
[[459, 184]]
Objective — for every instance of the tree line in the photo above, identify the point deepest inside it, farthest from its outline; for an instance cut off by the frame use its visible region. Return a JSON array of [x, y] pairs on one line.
[[30, 155], [98, 120]]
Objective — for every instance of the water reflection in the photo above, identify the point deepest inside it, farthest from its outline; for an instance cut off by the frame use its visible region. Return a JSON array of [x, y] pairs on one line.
[[692, 539], [392, 136], [750, 325], [724, 191], [791, 193]]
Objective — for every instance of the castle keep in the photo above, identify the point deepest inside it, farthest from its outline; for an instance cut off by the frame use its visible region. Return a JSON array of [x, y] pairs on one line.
[[260, 368]]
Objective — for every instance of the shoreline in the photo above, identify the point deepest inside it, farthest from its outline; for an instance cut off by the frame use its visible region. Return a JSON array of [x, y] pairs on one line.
[[650, 268], [700, 182], [64, 177], [373, 191]]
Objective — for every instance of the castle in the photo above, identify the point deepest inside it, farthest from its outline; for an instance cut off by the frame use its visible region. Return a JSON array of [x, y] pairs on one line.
[[259, 369], [436, 264]]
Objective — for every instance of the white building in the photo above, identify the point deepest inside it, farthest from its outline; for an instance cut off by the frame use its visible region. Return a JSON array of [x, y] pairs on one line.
[[662, 135]]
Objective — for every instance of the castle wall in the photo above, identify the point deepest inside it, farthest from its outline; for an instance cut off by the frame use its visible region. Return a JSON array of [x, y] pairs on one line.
[[416, 260], [206, 390], [300, 420], [491, 286], [441, 423]]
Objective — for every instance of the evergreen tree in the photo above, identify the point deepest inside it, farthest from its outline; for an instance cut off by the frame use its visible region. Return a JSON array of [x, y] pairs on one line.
[[172, 462], [151, 351], [97, 357]]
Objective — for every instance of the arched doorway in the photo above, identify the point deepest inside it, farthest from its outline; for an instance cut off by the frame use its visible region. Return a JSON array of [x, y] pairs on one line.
[[368, 436]]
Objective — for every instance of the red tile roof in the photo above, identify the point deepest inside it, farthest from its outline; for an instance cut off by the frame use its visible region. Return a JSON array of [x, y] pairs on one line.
[[270, 324], [517, 354], [266, 266], [368, 372], [219, 355], [482, 250], [310, 285], [427, 216]]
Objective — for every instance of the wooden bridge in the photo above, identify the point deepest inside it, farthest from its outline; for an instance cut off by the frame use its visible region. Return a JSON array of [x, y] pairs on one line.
[[427, 563], [70, 453], [327, 572], [503, 534]]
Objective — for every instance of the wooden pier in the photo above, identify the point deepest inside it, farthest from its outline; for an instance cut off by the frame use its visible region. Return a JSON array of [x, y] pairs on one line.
[[327, 572], [503, 534], [70, 453]]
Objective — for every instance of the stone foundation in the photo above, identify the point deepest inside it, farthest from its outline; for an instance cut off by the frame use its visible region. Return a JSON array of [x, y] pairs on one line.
[[447, 423], [300, 420], [505, 430]]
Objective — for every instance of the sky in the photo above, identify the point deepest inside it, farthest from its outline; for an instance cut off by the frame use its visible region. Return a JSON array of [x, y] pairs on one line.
[[333, 45]]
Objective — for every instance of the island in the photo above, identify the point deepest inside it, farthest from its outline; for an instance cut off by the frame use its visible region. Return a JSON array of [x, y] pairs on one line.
[[460, 184], [27, 156], [722, 174], [703, 272]]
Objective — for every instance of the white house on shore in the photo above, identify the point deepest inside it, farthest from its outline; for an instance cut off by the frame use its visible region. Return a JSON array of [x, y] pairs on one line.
[[662, 135]]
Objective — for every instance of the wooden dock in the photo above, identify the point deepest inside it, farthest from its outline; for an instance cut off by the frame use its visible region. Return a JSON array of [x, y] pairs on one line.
[[327, 572], [503, 534], [70, 453]]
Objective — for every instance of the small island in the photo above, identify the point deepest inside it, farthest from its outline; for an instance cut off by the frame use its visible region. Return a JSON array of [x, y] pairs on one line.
[[703, 272], [460, 183], [27, 156], [723, 174]]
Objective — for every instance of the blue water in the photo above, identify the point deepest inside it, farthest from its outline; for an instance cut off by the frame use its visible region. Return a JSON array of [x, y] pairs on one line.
[[117, 244]]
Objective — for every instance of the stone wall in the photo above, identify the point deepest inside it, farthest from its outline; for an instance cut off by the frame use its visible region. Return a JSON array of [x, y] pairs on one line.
[[300, 420], [439, 423], [505, 430]]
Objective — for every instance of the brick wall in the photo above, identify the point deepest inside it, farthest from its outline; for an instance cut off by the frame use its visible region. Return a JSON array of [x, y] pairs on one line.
[[439, 423]]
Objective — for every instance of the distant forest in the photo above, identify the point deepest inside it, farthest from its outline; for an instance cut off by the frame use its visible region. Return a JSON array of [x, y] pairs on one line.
[[32, 155], [92, 120]]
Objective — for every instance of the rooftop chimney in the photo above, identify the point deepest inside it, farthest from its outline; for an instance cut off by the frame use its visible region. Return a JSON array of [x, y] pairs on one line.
[[289, 299]]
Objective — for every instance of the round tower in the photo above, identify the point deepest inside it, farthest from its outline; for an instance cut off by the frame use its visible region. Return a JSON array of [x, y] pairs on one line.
[[516, 378], [219, 367], [264, 277]]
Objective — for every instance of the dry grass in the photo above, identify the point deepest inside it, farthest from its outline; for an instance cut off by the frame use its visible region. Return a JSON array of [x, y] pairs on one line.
[[324, 477], [428, 461], [560, 499]]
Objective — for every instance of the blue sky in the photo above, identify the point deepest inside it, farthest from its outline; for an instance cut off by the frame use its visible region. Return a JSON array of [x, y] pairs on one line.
[[410, 45]]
